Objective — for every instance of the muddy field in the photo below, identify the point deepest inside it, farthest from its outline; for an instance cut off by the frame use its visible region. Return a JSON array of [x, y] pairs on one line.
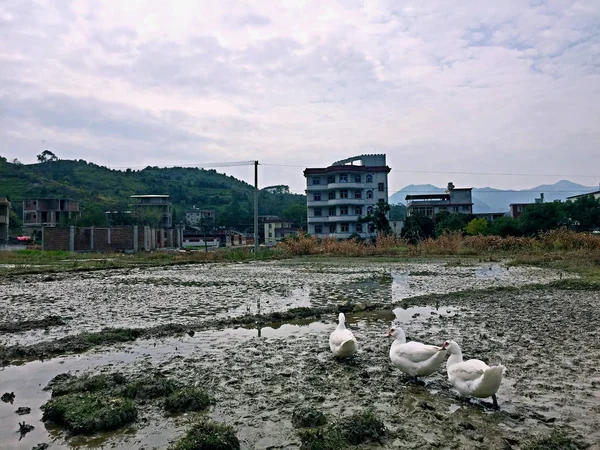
[[547, 337]]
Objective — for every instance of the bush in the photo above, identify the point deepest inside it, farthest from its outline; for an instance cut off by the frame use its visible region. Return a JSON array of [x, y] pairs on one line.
[[208, 435], [150, 387]]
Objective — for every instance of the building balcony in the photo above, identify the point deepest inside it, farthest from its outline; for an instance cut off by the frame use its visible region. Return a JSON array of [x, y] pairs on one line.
[[317, 204], [318, 219], [347, 201], [346, 185], [344, 218]]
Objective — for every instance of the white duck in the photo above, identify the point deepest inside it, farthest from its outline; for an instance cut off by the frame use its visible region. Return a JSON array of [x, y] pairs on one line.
[[414, 358], [342, 342], [472, 378]]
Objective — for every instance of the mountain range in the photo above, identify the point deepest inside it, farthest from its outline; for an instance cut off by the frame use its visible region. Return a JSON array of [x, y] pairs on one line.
[[488, 199]]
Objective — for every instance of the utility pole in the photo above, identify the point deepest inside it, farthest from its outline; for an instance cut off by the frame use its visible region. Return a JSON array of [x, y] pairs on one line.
[[255, 208]]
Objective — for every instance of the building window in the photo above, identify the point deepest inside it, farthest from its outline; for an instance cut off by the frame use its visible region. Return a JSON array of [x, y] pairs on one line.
[[330, 179], [359, 227], [357, 179], [345, 227], [270, 234], [369, 194], [369, 210], [371, 228], [357, 194], [380, 187], [332, 211], [270, 226], [332, 227], [343, 210], [455, 209], [317, 196], [318, 212], [465, 208], [369, 178], [343, 178], [519, 208], [358, 211], [332, 195], [343, 193], [316, 181], [318, 228]]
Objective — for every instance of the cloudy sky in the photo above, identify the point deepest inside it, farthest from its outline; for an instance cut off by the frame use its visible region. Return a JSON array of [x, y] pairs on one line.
[[501, 87]]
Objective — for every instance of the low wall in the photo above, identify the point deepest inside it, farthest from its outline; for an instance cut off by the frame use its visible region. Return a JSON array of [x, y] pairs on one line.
[[109, 239]]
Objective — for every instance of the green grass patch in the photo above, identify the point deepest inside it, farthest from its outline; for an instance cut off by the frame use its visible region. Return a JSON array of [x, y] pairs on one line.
[[188, 399], [208, 435], [89, 413], [150, 387], [68, 384], [363, 426]]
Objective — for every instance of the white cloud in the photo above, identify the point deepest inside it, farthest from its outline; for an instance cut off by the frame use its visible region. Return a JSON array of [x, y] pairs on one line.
[[474, 86]]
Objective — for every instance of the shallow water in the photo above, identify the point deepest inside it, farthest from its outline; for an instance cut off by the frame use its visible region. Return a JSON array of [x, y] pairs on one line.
[[188, 294]]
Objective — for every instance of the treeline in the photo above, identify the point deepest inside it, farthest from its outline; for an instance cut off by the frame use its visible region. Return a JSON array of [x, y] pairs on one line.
[[100, 189], [583, 214]]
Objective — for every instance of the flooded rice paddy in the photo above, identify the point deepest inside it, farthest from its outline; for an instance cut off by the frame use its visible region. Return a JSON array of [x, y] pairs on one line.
[[547, 338]]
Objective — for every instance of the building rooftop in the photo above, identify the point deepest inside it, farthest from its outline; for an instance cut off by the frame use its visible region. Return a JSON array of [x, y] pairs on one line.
[[440, 196], [583, 195], [150, 196]]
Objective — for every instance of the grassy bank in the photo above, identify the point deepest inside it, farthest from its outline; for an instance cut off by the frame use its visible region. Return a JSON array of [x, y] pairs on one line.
[[563, 249]]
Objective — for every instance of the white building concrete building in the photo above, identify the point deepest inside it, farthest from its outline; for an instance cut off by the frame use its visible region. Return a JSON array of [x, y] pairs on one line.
[[337, 195]]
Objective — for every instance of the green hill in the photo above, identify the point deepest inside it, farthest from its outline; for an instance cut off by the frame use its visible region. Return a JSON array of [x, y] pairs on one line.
[[101, 189]]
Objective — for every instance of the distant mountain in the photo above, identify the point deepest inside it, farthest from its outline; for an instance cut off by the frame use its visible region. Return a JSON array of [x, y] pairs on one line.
[[488, 199]]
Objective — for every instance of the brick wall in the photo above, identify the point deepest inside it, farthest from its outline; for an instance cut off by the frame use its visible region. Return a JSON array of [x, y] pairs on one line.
[[56, 238], [121, 238]]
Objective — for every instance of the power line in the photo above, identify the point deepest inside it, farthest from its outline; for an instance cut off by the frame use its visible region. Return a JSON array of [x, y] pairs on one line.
[[218, 164], [468, 173]]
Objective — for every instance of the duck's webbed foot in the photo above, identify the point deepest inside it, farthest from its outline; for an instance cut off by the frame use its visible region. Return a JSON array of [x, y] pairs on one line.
[[495, 402]]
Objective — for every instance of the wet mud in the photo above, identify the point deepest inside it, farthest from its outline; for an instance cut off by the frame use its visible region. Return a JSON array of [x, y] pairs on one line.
[[262, 372]]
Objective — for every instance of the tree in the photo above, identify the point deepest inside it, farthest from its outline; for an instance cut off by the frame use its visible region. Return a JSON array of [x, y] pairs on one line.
[[16, 162], [541, 217], [505, 226], [477, 227], [584, 213], [46, 156], [448, 222], [397, 212], [418, 227], [297, 213], [378, 220]]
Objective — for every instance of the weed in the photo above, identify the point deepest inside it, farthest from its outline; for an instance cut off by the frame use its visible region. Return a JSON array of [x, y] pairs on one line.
[[89, 413], [362, 427], [307, 417], [149, 388], [208, 435], [188, 399], [84, 383]]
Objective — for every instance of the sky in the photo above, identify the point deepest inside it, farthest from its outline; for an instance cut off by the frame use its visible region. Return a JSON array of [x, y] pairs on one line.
[[471, 92]]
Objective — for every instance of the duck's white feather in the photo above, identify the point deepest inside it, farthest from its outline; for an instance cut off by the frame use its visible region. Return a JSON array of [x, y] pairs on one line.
[[414, 358], [341, 341]]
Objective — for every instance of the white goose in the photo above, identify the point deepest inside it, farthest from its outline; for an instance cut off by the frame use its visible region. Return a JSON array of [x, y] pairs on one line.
[[342, 342], [472, 378], [414, 358]]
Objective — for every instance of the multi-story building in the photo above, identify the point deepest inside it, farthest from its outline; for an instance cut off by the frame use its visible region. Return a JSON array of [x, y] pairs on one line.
[[454, 200], [4, 218], [195, 215], [158, 206], [337, 195], [48, 212]]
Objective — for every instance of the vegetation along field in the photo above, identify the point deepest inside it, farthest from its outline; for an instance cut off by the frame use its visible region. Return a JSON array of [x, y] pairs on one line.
[[152, 353]]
